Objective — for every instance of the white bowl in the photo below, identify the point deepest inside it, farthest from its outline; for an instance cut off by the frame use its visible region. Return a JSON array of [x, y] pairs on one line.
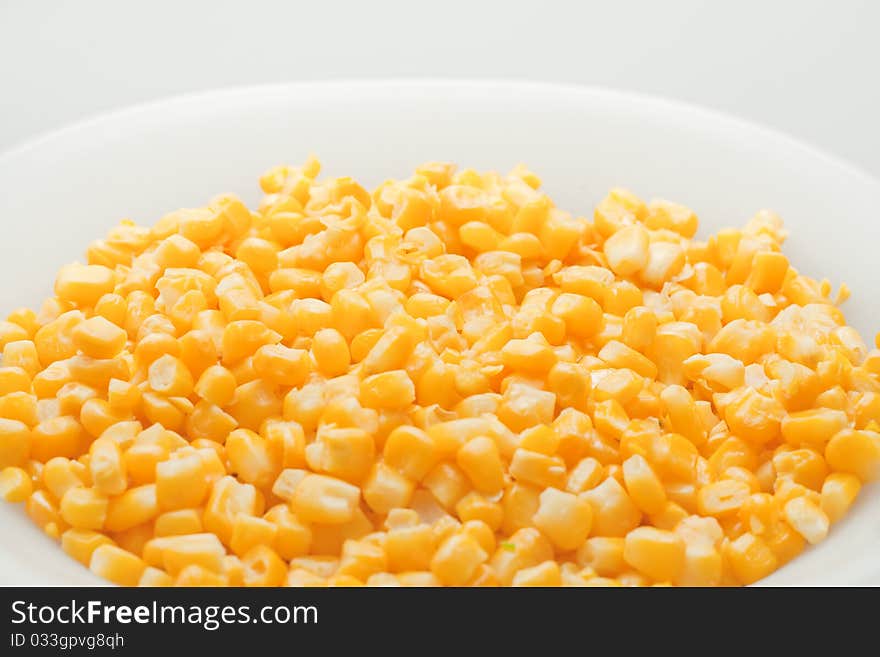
[[62, 191]]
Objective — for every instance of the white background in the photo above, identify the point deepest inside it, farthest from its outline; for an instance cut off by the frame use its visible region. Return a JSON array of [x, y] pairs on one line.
[[808, 68]]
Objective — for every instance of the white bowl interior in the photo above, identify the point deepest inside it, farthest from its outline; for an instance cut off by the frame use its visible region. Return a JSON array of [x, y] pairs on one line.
[[61, 192]]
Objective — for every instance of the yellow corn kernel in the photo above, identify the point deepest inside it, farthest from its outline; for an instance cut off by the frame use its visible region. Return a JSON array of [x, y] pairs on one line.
[[113, 308], [286, 442], [21, 406], [480, 461], [15, 484], [662, 214], [180, 483], [293, 538], [839, 491], [25, 318], [409, 547], [168, 412], [176, 251], [169, 376], [11, 332], [216, 385], [134, 507], [344, 452], [83, 285], [209, 422], [657, 553], [682, 413], [43, 510], [457, 559], [249, 532], [544, 574], [107, 467], [518, 505], [582, 314], [804, 466], [331, 352], [768, 272], [282, 365], [586, 474], [745, 340], [15, 443], [564, 518], [538, 469], [529, 356], [856, 452], [385, 489], [541, 439], [703, 566], [391, 390], [242, 338], [286, 483], [123, 396], [263, 567], [639, 328], [410, 451], [614, 513], [320, 498], [643, 485], [609, 416], [117, 565], [665, 260], [475, 506], [96, 416], [525, 548], [140, 462], [669, 516], [175, 523], [722, 498], [153, 577], [447, 483], [60, 474], [14, 379], [813, 427], [603, 554], [84, 508], [627, 250], [99, 338], [617, 354], [750, 558], [81, 543], [174, 553], [807, 519], [253, 403], [58, 436], [754, 417]]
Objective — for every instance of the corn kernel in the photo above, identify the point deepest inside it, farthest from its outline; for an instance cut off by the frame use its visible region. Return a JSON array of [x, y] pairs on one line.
[[657, 553], [457, 560], [564, 518], [643, 485], [856, 452], [84, 508], [319, 498], [614, 513], [15, 484], [750, 558], [838, 493], [81, 543]]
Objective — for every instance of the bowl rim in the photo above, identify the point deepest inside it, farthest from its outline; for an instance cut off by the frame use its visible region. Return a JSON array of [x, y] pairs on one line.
[[522, 85]]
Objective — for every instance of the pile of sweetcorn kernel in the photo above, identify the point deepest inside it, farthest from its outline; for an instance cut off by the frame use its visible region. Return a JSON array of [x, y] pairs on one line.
[[445, 381]]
